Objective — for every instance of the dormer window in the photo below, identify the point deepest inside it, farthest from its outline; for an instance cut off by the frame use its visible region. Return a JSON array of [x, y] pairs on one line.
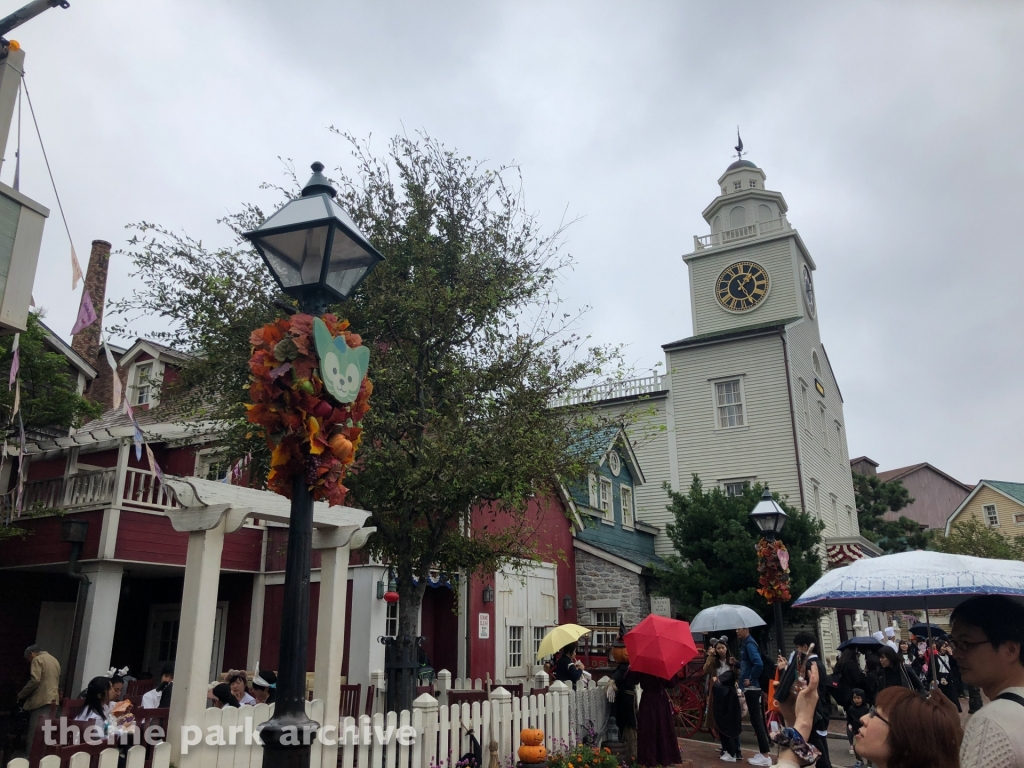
[[143, 383], [753, 184], [737, 185]]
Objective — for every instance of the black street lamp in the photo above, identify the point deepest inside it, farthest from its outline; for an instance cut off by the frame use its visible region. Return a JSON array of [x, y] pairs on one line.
[[317, 255], [770, 518]]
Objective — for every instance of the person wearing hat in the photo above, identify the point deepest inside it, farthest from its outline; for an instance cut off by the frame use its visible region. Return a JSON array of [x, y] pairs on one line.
[[890, 638]]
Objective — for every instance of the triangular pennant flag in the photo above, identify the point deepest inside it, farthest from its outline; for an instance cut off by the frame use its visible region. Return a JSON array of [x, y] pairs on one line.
[[138, 435], [86, 313], [116, 381], [76, 269], [15, 361], [21, 466], [153, 466], [17, 398]]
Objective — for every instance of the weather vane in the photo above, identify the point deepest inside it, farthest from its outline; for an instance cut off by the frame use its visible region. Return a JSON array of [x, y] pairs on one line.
[[739, 144]]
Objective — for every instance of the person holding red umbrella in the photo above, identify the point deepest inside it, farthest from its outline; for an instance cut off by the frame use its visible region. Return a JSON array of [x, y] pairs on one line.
[[658, 648]]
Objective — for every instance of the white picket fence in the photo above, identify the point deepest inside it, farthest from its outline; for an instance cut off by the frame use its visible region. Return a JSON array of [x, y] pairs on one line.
[[440, 732]]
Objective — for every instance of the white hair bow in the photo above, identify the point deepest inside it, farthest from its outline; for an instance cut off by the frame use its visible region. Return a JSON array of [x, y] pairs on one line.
[[118, 672]]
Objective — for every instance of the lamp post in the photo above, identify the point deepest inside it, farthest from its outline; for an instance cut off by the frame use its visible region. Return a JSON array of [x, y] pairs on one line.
[[317, 255], [770, 518]]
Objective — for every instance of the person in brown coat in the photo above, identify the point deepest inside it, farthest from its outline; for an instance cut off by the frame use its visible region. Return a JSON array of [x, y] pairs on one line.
[[41, 690]]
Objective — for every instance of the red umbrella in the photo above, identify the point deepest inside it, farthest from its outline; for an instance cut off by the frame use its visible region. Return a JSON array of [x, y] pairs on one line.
[[660, 646]]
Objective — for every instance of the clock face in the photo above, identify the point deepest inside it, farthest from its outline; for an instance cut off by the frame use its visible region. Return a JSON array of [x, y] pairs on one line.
[[809, 291], [742, 286]]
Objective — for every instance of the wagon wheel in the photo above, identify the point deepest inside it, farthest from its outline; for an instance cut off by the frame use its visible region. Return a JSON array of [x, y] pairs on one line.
[[688, 706]]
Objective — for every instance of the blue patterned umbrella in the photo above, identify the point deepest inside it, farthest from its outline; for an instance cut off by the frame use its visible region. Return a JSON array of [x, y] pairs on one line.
[[914, 580]]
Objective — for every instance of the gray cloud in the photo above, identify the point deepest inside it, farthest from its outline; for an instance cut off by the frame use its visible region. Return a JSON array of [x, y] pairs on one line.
[[892, 130]]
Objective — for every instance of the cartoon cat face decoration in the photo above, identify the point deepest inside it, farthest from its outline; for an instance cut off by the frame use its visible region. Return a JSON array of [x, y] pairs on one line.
[[341, 367]]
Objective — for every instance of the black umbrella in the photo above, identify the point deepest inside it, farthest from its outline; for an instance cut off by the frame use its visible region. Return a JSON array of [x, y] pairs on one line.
[[924, 630], [861, 643]]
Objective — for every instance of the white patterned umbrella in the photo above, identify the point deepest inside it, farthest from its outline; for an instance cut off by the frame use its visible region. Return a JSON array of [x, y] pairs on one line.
[[723, 617], [914, 580]]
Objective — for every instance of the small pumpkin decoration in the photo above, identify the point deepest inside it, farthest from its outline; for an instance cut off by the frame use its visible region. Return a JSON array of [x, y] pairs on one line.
[[619, 654], [531, 736], [533, 753]]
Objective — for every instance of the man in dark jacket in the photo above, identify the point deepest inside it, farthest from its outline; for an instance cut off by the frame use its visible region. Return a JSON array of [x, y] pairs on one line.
[[751, 667]]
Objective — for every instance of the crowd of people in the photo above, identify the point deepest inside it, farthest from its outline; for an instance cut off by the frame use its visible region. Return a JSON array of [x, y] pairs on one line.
[[901, 698], [104, 699]]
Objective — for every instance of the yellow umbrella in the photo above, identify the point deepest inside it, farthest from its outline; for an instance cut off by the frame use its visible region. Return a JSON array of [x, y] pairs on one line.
[[558, 638]]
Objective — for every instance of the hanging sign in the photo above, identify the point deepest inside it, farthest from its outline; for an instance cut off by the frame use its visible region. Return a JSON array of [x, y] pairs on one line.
[[342, 367], [483, 627]]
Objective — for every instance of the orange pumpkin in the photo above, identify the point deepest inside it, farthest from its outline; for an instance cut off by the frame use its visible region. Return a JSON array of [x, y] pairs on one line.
[[531, 737], [341, 447], [533, 753], [619, 654]]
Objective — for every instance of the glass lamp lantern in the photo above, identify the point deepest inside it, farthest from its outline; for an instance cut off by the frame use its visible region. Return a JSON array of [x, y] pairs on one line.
[[313, 248], [769, 516]]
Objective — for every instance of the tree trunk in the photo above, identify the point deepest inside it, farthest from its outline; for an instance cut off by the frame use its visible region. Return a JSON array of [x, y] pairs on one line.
[[406, 648]]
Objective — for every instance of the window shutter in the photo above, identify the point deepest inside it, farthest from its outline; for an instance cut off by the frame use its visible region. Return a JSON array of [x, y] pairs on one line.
[[593, 490]]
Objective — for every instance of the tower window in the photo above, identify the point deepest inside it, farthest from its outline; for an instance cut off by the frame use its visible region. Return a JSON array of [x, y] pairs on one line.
[[716, 225], [816, 492], [764, 213], [737, 185], [753, 184], [729, 402], [803, 402], [738, 217], [824, 429], [817, 365]]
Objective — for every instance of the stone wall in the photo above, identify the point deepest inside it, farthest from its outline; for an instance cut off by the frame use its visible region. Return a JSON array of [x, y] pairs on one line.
[[597, 579]]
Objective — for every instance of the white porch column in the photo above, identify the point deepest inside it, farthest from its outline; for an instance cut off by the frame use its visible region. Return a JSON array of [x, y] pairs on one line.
[[259, 595], [195, 637], [97, 641], [334, 545]]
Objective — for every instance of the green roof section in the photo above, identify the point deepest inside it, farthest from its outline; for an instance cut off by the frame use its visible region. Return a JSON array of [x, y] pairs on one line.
[[1013, 490], [732, 333], [594, 446]]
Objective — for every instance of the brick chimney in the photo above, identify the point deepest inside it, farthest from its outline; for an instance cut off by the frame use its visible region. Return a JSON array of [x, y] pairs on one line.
[[87, 341]]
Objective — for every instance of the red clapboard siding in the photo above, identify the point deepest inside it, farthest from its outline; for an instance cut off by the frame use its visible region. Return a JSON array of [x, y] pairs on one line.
[[152, 539], [242, 550], [43, 544], [45, 469], [149, 539], [277, 550], [273, 604]]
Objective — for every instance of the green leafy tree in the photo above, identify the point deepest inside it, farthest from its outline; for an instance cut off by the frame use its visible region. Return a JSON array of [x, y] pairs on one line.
[[49, 395], [715, 542], [972, 537], [874, 499], [469, 349]]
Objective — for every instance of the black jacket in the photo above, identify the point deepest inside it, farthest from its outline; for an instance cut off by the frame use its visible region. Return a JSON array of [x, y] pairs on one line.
[[567, 671], [854, 714]]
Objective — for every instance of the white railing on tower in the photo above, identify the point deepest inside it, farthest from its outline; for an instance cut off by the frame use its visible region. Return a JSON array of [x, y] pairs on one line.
[[760, 229], [609, 390]]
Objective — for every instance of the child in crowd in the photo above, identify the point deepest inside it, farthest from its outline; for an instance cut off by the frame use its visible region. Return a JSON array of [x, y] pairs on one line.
[[857, 709]]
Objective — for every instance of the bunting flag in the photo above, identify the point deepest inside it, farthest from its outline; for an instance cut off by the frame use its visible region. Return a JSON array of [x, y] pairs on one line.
[[17, 398], [76, 269], [86, 313], [138, 431], [15, 362], [153, 466], [116, 379]]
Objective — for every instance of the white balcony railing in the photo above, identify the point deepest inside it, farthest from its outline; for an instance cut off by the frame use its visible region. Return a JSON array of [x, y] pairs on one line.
[[760, 229], [92, 490], [612, 389]]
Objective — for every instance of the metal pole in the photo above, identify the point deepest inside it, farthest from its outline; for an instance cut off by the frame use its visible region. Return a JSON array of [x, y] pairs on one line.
[[288, 736], [780, 639], [27, 12]]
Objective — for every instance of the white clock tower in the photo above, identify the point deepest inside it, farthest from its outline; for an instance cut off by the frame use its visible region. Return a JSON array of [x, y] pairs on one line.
[[750, 396]]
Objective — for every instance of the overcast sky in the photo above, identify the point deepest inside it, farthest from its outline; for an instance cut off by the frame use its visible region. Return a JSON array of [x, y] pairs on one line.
[[893, 130]]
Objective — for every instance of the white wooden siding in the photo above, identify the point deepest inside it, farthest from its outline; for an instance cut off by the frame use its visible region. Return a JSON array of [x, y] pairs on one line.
[[831, 466], [783, 302]]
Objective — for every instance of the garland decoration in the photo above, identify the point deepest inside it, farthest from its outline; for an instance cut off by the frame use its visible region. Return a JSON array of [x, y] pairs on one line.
[[309, 432], [773, 571]]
